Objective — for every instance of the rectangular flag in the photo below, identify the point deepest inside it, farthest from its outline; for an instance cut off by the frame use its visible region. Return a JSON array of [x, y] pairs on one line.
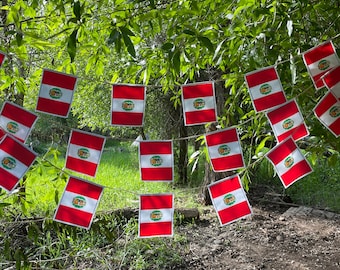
[[56, 93], [15, 160], [199, 104], [156, 213], [17, 121], [320, 60], [286, 121], [229, 199], [224, 150], [84, 152], [156, 161], [78, 203], [289, 162], [328, 112], [2, 58], [265, 89], [128, 105], [332, 81]]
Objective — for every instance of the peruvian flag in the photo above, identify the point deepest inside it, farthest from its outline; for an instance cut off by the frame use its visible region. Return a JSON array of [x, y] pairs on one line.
[[84, 152], [229, 199], [155, 215], [15, 160], [156, 161], [286, 121], [265, 89], [332, 81], [128, 105], [224, 150], [328, 113], [320, 60], [2, 58], [199, 104], [79, 202], [17, 121], [289, 162], [56, 93]]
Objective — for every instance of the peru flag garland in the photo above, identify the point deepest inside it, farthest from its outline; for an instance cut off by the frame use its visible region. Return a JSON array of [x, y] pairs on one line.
[[229, 199], [289, 162], [199, 104], [332, 81], [328, 113], [15, 160], [78, 203], [128, 105], [84, 152], [17, 121], [320, 60], [286, 121], [265, 89], [56, 93], [156, 161], [224, 150], [155, 215]]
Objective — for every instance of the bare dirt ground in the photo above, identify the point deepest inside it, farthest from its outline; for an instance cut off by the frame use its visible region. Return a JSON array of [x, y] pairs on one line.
[[274, 237]]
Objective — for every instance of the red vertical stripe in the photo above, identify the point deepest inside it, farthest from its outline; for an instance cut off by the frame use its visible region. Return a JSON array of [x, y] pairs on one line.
[[199, 117], [270, 101], [262, 76], [127, 119], [17, 150], [297, 171], [18, 114], [220, 137], [156, 201], [84, 188], [155, 147], [53, 107], [283, 112], [128, 91], [87, 140], [332, 78], [235, 212], [335, 127], [2, 57], [59, 79], [227, 163], [81, 166], [7, 180], [154, 229], [282, 150], [73, 216], [319, 52], [198, 90], [153, 174], [224, 186]]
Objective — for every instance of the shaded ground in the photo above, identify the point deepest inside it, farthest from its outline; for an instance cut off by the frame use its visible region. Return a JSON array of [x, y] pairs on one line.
[[275, 237]]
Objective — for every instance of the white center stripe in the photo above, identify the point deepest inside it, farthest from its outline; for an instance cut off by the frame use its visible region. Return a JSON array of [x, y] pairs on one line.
[[79, 202], [275, 88], [296, 118], [93, 155], [289, 161], [331, 59], [209, 103], [159, 161], [22, 130], [163, 216], [130, 105], [16, 168], [221, 202], [66, 94], [234, 148]]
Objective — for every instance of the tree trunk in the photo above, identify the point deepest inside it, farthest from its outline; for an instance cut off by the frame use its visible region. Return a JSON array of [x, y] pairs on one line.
[[183, 155]]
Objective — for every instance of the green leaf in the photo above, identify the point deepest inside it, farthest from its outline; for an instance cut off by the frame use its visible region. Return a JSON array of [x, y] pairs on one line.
[[261, 145], [129, 45], [114, 36], [206, 42], [189, 32], [167, 46], [77, 10], [176, 61], [18, 38], [126, 31], [72, 45]]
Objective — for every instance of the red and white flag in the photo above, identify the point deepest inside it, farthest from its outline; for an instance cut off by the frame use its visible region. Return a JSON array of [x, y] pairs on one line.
[[320, 60], [199, 104], [156, 161], [224, 150], [265, 89], [78, 203], [2, 58], [17, 121], [286, 121], [156, 215], [56, 93], [15, 160], [289, 162], [229, 199], [328, 112], [84, 152], [332, 81], [128, 105]]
